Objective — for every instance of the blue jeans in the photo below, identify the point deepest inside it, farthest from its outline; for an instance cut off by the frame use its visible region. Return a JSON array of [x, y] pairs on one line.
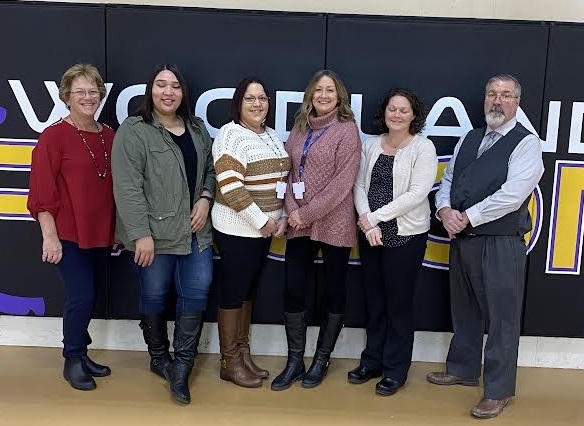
[[191, 273], [78, 270]]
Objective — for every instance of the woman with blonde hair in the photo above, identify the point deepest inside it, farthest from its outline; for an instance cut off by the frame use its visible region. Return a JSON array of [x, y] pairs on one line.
[[71, 196], [324, 148]]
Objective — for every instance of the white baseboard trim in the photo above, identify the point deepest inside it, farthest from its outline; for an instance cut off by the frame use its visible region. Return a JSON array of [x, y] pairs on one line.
[[549, 352]]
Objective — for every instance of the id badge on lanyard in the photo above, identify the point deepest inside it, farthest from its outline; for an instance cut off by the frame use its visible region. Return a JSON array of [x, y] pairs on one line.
[[298, 187]]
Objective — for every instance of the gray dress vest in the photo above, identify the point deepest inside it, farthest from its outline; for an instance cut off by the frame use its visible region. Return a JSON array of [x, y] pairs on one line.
[[474, 179]]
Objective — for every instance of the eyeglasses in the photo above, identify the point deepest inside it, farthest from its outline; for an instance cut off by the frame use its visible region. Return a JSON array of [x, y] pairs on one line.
[[81, 93], [505, 97], [252, 99]]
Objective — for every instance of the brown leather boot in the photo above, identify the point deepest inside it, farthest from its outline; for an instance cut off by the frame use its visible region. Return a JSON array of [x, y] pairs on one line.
[[243, 342], [232, 368]]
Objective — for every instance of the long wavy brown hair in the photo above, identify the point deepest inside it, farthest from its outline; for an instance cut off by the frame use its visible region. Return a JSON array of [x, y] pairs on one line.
[[306, 110]]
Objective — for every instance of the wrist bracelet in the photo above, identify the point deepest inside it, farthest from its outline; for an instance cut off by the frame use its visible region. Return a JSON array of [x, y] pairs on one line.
[[209, 199]]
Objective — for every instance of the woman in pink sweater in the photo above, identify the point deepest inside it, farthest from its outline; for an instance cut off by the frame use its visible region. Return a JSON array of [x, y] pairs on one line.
[[324, 148]]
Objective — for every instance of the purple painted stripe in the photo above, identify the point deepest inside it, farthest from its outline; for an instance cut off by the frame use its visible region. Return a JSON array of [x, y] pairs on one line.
[[17, 305], [555, 215], [17, 143], [275, 256], [560, 165], [15, 192], [16, 166], [578, 233], [14, 215], [432, 263], [538, 214], [435, 239]]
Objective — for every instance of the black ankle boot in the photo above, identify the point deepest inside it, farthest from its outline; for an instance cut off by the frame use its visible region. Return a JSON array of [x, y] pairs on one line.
[[75, 374], [156, 338], [327, 338], [187, 332], [95, 369], [295, 326]]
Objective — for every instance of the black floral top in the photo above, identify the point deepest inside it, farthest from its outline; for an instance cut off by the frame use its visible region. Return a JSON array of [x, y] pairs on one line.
[[381, 193]]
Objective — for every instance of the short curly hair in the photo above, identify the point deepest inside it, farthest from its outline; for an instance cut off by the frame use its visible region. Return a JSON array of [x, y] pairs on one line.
[[416, 103]]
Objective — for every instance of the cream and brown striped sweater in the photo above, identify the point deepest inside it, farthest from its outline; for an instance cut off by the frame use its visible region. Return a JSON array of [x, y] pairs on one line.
[[247, 165]]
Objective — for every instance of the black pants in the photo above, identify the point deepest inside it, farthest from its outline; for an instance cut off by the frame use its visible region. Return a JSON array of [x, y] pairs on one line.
[[300, 255], [78, 270], [242, 260], [487, 278], [389, 278]]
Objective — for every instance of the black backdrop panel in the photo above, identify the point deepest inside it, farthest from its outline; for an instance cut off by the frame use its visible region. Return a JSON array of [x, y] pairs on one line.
[[213, 49], [554, 301], [38, 44], [436, 58]]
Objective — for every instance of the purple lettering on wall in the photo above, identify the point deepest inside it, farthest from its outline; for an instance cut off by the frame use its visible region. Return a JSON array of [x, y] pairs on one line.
[[2, 115], [17, 305]]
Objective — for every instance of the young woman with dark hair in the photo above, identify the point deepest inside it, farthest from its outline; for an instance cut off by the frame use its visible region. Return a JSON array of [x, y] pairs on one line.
[[164, 181]]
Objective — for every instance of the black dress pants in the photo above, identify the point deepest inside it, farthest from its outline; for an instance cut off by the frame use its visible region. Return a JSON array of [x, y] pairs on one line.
[[389, 278]]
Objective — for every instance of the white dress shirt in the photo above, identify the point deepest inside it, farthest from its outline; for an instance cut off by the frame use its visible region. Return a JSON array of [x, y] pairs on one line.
[[525, 169]]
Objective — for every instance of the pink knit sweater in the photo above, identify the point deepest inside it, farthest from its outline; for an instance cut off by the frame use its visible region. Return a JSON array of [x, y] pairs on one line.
[[329, 174]]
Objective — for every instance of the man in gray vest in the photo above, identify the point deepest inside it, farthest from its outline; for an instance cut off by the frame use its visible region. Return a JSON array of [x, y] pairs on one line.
[[482, 203]]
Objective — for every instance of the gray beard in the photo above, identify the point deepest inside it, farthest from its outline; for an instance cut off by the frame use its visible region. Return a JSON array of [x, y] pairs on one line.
[[494, 119]]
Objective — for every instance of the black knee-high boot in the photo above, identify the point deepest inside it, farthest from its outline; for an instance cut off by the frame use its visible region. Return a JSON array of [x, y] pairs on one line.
[[187, 333], [327, 338], [156, 337], [295, 326]]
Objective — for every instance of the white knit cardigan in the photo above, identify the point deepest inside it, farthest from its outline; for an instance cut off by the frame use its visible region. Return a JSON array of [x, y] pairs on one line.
[[414, 174]]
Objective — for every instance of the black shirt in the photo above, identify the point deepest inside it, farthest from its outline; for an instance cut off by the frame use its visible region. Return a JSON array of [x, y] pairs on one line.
[[187, 147]]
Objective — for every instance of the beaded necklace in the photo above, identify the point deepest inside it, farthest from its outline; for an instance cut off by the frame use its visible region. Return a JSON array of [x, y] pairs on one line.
[[275, 149], [99, 132]]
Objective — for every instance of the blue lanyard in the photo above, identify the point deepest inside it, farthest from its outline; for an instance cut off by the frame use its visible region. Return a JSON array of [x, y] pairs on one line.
[[307, 145]]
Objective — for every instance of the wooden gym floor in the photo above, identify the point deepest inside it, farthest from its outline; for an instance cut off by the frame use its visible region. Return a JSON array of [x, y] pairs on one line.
[[32, 392]]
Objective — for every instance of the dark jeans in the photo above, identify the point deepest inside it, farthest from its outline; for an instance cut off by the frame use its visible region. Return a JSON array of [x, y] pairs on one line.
[[300, 255], [389, 278], [242, 261], [191, 274], [78, 269]]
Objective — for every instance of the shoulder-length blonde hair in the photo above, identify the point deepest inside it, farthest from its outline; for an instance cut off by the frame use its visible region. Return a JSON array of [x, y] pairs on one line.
[[345, 113]]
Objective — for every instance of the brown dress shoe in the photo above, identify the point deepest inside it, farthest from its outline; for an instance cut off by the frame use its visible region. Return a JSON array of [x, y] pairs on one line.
[[489, 408], [444, 379]]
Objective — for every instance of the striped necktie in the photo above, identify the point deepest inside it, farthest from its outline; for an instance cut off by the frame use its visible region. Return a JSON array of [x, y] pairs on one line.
[[492, 137]]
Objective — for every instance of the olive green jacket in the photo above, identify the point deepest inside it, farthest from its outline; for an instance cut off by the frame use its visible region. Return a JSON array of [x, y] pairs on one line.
[[151, 189]]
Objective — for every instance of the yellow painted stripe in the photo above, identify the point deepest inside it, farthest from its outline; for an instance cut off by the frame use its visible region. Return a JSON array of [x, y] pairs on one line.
[[13, 204], [437, 253], [16, 155], [440, 171]]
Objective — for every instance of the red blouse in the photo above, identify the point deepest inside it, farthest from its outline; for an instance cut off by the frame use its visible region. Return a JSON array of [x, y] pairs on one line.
[[64, 182]]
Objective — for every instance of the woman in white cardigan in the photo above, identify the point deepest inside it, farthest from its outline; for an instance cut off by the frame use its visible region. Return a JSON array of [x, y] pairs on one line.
[[398, 169]]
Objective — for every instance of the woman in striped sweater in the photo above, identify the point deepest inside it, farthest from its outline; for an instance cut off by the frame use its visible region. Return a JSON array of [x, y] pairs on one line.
[[252, 169]]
